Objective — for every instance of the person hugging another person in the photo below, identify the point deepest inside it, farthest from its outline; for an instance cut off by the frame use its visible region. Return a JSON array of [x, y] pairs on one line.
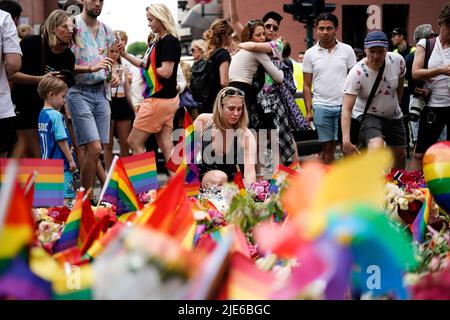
[[54, 138], [220, 155]]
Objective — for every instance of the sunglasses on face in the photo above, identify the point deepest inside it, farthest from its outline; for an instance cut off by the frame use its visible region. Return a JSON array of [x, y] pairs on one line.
[[271, 26], [192, 49]]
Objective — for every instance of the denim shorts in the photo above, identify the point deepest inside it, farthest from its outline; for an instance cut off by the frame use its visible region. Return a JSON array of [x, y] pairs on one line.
[[91, 113], [326, 120]]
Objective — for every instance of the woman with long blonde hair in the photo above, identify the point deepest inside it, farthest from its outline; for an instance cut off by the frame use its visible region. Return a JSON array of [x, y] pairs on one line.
[[155, 114], [226, 140]]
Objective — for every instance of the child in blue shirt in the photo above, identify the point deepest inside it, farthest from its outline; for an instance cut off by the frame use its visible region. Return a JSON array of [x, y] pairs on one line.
[[54, 138]]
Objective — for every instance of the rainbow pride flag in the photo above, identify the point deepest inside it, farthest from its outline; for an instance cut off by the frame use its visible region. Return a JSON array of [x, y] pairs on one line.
[[49, 183], [239, 181], [16, 224], [20, 283], [100, 244], [149, 75], [281, 172], [246, 281], [186, 157], [141, 170], [419, 226], [78, 225], [120, 192]]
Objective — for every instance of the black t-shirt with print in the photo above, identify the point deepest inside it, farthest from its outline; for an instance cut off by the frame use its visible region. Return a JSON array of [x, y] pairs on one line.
[[25, 96], [168, 49]]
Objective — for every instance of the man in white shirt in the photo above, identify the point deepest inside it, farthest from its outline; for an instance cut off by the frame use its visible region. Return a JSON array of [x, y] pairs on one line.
[[10, 63], [325, 66], [383, 122]]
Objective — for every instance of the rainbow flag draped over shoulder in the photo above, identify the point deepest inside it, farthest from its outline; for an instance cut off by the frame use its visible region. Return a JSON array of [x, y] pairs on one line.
[[49, 183], [141, 170], [120, 191], [149, 75], [419, 226], [78, 225], [185, 157]]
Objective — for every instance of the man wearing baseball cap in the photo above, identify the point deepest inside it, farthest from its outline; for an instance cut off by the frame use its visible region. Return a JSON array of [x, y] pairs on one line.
[[383, 121]]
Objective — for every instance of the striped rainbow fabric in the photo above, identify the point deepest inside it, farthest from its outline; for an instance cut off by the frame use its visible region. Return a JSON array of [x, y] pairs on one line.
[[120, 191], [17, 227], [149, 75], [141, 169], [81, 219], [247, 282], [187, 155], [49, 183], [419, 226]]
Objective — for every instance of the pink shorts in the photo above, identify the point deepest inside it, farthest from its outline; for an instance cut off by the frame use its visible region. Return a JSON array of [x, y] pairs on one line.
[[154, 113]]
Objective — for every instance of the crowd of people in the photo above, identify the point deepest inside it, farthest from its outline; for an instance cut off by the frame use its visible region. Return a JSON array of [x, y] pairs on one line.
[[73, 88]]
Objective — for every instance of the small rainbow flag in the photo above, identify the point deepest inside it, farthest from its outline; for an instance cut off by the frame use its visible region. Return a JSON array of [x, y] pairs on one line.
[[246, 281], [49, 184], [280, 171], [419, 226], [149, 75], [78, 225], [186, 147], [16, 224], [20, 283], [100, 244], [141, 170], [171, 212], [119, 190], [239, 181]]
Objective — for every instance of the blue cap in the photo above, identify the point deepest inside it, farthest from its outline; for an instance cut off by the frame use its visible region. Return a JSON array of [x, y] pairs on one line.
[[376, 38]]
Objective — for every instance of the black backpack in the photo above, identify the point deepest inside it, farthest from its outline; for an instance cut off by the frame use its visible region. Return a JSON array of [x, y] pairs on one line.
[[202, 78]]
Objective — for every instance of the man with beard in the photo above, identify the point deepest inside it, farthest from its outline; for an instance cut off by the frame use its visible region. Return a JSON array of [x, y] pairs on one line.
[[325, 67], [87, 99]]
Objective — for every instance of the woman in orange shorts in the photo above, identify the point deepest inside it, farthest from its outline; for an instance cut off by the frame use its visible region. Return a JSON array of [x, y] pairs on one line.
[[155, 114]]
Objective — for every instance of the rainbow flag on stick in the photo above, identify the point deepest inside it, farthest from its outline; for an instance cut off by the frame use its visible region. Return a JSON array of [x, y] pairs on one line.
[[279, 172], [419, 226], [78, 225], [239, 181], [141, 170], [49, 182], [185, 157], [149, 75], [118, 189]]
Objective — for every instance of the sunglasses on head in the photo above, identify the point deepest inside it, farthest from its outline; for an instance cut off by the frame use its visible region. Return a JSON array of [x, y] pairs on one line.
[[271, 26], [233, 92], [254, 22]]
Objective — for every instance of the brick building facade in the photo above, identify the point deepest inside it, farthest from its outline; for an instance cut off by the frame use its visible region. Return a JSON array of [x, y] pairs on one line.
[[35, 11], [352, 17]]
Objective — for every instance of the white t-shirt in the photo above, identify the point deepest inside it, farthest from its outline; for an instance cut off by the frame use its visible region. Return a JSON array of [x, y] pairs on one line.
[[439, 85], [9, 43], [329, 71], [360, 81]]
